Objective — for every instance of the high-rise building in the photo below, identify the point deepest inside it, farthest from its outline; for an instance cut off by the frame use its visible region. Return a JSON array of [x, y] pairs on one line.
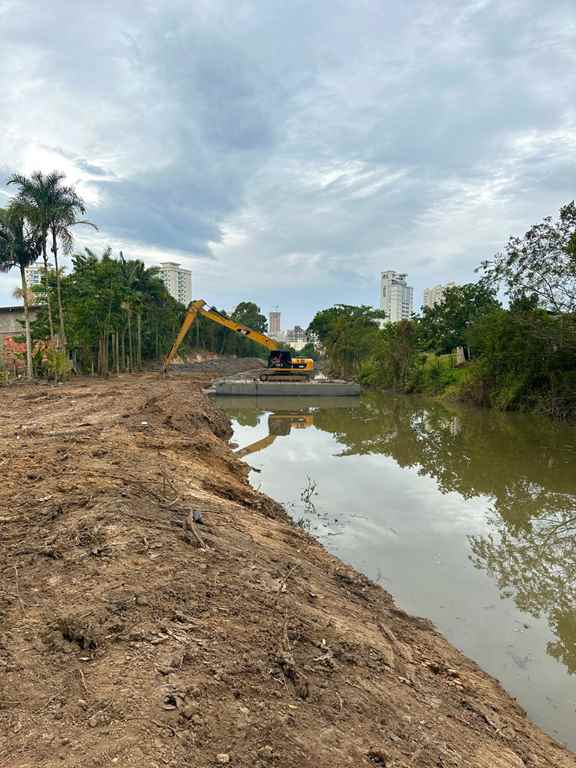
[[395, 296], [274, 323], [177, 280], [435, 295]]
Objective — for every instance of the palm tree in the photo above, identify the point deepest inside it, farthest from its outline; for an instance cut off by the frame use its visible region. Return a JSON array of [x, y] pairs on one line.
[[139, 282], [63, 218], [53, 208], [20, 246]]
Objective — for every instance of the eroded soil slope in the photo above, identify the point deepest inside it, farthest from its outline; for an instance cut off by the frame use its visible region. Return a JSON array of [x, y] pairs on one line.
[[131, 635]]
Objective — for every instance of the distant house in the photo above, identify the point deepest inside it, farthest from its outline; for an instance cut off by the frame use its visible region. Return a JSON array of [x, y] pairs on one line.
[[10, 327]]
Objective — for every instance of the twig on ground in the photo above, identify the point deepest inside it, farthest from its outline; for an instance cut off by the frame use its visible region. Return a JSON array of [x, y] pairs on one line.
[[18, 588], [83, 679]]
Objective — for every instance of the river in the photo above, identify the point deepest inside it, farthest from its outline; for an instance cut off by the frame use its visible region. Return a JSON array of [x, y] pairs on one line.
[[467, 517]]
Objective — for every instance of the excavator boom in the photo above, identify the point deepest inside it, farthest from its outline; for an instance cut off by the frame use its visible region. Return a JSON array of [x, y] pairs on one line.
[[300, 366]]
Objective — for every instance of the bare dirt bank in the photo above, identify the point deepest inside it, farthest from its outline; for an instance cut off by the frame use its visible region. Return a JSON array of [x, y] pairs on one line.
[[130, 636]]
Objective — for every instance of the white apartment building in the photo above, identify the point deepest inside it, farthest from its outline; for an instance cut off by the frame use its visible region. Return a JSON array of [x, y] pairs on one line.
[[435, 295], [177, 280], [396, 297]]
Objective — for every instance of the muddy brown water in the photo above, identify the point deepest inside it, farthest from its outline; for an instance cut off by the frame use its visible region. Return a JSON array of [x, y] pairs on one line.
[[467, 517]]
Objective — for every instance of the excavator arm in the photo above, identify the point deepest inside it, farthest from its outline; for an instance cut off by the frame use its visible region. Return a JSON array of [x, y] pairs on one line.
[[196, 308]]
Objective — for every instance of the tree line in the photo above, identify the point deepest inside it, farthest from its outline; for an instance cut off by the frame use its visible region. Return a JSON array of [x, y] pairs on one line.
[[109, 313], [517, 357]]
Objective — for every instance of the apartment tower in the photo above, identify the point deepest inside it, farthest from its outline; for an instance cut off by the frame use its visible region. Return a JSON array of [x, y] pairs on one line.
[[396, 297]]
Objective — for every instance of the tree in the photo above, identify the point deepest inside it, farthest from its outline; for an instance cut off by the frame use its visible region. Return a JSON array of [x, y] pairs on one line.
[[248, 313], [348, 334], [525, 358], [540, 264], [394, 359], [443, 327], [20, 246], [53, 208]]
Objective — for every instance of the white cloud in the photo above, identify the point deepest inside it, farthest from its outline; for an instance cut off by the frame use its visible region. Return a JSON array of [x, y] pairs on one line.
[[289, 152]]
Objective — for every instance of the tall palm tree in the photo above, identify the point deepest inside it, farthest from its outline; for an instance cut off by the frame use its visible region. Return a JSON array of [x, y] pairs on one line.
[[52, 207], [62, 220], [20, 246]]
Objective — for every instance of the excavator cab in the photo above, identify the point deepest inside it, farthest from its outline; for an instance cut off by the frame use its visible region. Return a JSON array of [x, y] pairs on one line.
[[280, 358]]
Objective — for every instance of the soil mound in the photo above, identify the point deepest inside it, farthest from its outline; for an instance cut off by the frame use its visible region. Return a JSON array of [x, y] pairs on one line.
[[157, 611]]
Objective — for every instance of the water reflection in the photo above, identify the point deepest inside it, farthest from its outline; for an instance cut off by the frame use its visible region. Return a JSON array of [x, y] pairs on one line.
[[524, 465]]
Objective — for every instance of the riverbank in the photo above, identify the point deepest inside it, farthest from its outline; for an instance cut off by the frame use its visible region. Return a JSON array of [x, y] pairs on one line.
[[133, 636]]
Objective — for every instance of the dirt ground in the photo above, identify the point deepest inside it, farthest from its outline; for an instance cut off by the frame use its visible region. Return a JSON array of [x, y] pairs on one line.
[[132, 635]]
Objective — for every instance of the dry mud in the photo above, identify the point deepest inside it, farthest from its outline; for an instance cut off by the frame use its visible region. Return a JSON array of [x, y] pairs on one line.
[[131, 635]]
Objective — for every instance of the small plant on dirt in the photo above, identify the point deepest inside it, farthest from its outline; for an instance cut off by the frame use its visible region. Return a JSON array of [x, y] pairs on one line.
[[307, 495], [58, 364], [304, 524]]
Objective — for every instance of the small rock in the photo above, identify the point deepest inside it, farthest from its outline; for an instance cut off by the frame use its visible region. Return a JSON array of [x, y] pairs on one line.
[[189, 710], [266, 752], [223, 758]]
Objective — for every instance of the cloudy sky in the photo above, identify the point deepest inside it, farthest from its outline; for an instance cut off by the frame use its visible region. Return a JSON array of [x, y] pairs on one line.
[[289, 150]]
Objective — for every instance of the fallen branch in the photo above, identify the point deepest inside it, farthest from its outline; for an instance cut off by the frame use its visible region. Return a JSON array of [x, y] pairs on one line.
[[192, 528]]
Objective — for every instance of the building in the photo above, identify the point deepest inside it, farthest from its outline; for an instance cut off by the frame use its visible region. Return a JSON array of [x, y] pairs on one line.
[[296, 337], [435, 295], [34, 275], [274, 323], [177, 280], [295, 334], [11, 323], [396, 296]]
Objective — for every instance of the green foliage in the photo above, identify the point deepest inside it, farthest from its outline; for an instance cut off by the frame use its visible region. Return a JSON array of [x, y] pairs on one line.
[[308, 350], [248, 313], [58, 364], [443, 327], [542, 264], [119, 313], [348, 335], [526, 359], [394, 361], [212, 337]]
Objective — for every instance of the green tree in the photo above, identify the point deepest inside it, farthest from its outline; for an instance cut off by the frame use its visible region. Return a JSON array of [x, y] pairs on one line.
[[248, 313], [540, 264], [97, 295], [394, 359], [20, 246], [53, 207], [443, 327], [348, 334], [525, 359]]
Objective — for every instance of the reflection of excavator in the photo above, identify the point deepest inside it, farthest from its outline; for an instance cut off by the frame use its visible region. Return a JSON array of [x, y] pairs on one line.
[[281, 365], [279, 424]]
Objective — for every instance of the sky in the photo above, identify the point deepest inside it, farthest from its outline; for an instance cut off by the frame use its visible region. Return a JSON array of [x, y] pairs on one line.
[[288, 151]]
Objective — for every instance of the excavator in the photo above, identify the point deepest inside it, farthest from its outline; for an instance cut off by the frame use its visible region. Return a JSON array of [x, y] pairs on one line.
[[281, 365], [279, 425]]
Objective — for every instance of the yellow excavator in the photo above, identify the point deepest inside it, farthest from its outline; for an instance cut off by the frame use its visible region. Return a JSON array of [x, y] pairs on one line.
[[281, 365], [279, 425]]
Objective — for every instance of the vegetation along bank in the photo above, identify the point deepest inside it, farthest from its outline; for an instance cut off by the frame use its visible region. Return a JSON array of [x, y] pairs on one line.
[[519, 357]]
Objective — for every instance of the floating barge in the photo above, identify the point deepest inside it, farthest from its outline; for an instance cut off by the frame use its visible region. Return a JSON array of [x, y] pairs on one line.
[[255, 388]]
